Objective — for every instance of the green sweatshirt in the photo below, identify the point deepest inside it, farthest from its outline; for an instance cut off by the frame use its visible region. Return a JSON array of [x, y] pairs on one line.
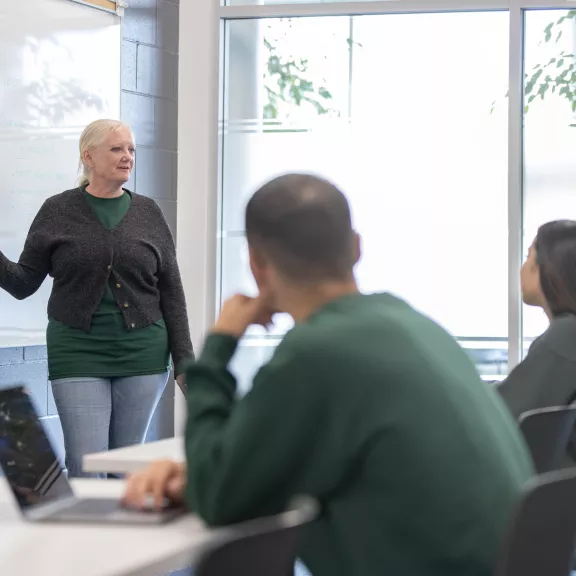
[[377, 412]]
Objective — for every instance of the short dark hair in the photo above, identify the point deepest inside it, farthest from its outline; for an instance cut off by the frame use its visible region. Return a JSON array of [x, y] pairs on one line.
[[303, 224], [555, 247]]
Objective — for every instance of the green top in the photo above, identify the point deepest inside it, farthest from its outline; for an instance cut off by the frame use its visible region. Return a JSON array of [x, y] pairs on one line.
[[109, 349], [377, 412]]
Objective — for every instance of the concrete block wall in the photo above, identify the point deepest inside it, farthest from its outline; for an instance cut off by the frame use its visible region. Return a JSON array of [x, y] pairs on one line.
[[150, 105]]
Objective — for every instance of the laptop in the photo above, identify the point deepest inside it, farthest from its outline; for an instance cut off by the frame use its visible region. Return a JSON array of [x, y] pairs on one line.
[[38, 481]]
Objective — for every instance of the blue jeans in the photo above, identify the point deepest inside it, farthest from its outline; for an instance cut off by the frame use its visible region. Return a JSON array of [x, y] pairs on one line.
[[99, 414]]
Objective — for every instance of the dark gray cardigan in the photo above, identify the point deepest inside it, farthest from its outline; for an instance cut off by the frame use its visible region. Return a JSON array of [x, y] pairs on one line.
[[547, 376], [68, 242]]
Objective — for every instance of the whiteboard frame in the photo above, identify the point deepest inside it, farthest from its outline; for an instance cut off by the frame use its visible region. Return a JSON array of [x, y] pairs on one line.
[[111, 6]]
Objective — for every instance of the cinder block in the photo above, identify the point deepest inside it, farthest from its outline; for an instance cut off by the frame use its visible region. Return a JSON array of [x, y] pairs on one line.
[[35, 353], [167, 25], [157, 173], [129, 59], [11, 356], [166, 124], [138, 112], [139, 23], [156, 72]]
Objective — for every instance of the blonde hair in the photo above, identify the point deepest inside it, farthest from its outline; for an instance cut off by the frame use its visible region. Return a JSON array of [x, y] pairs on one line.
[[93, 135]]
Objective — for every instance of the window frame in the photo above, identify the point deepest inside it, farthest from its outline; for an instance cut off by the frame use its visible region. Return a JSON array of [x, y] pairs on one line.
[[202, 32]]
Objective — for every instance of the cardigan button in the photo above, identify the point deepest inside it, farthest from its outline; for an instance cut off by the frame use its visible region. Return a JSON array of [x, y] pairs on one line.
[[125, 304], [133, 325], [118, 286]]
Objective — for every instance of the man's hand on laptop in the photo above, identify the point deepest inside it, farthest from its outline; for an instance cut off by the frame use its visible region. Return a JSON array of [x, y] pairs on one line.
[[161, 481]]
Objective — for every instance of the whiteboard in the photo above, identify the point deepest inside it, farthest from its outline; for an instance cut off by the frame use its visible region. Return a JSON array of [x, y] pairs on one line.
[[59, 70]]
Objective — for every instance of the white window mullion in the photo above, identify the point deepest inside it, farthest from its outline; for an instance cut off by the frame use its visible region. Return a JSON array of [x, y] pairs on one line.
[[364, 7], [198, 97], [543, 4], [515, 181]]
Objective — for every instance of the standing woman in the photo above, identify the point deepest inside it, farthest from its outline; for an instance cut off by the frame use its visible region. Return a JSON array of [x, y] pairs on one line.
[[117, 308]]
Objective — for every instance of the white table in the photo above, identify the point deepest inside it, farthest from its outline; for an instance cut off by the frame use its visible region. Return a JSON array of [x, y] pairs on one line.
[[49, 549], [134, 458]]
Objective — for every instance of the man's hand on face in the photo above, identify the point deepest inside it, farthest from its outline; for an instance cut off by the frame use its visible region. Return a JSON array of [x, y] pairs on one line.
[[239, 312]]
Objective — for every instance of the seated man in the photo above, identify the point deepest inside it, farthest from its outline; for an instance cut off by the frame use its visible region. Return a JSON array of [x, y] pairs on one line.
[[367, 405]]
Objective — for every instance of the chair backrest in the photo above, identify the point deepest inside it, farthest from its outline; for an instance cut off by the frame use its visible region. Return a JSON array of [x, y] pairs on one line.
[[540, 541], [547, 432], [262, 547]]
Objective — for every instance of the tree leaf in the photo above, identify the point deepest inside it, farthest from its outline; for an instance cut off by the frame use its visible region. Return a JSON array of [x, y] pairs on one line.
[[295, 95], [270, 112], [542, 89], [273, 65]]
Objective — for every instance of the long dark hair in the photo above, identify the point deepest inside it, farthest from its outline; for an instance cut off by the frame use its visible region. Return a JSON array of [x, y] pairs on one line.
[[555, 247]]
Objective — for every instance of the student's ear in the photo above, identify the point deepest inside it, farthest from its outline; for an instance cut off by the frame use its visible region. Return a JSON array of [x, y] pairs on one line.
[[356, 247], [257, 265]]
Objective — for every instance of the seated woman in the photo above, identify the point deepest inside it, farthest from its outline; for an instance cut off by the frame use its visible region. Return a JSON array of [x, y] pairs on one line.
[[547, 376]]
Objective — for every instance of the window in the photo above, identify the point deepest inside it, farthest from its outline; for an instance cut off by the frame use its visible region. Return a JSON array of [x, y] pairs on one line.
[[549, 132], [398, 111]]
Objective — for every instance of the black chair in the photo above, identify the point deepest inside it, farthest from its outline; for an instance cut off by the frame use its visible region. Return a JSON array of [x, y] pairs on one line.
[[262, 547], [540, 541], [547, 432]]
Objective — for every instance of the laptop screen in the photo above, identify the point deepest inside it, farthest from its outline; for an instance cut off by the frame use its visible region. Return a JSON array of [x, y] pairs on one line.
[[27, 458]]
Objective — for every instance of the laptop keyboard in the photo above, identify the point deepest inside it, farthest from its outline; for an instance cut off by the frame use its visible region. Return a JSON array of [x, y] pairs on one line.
[[93, 507], [111, 510]]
